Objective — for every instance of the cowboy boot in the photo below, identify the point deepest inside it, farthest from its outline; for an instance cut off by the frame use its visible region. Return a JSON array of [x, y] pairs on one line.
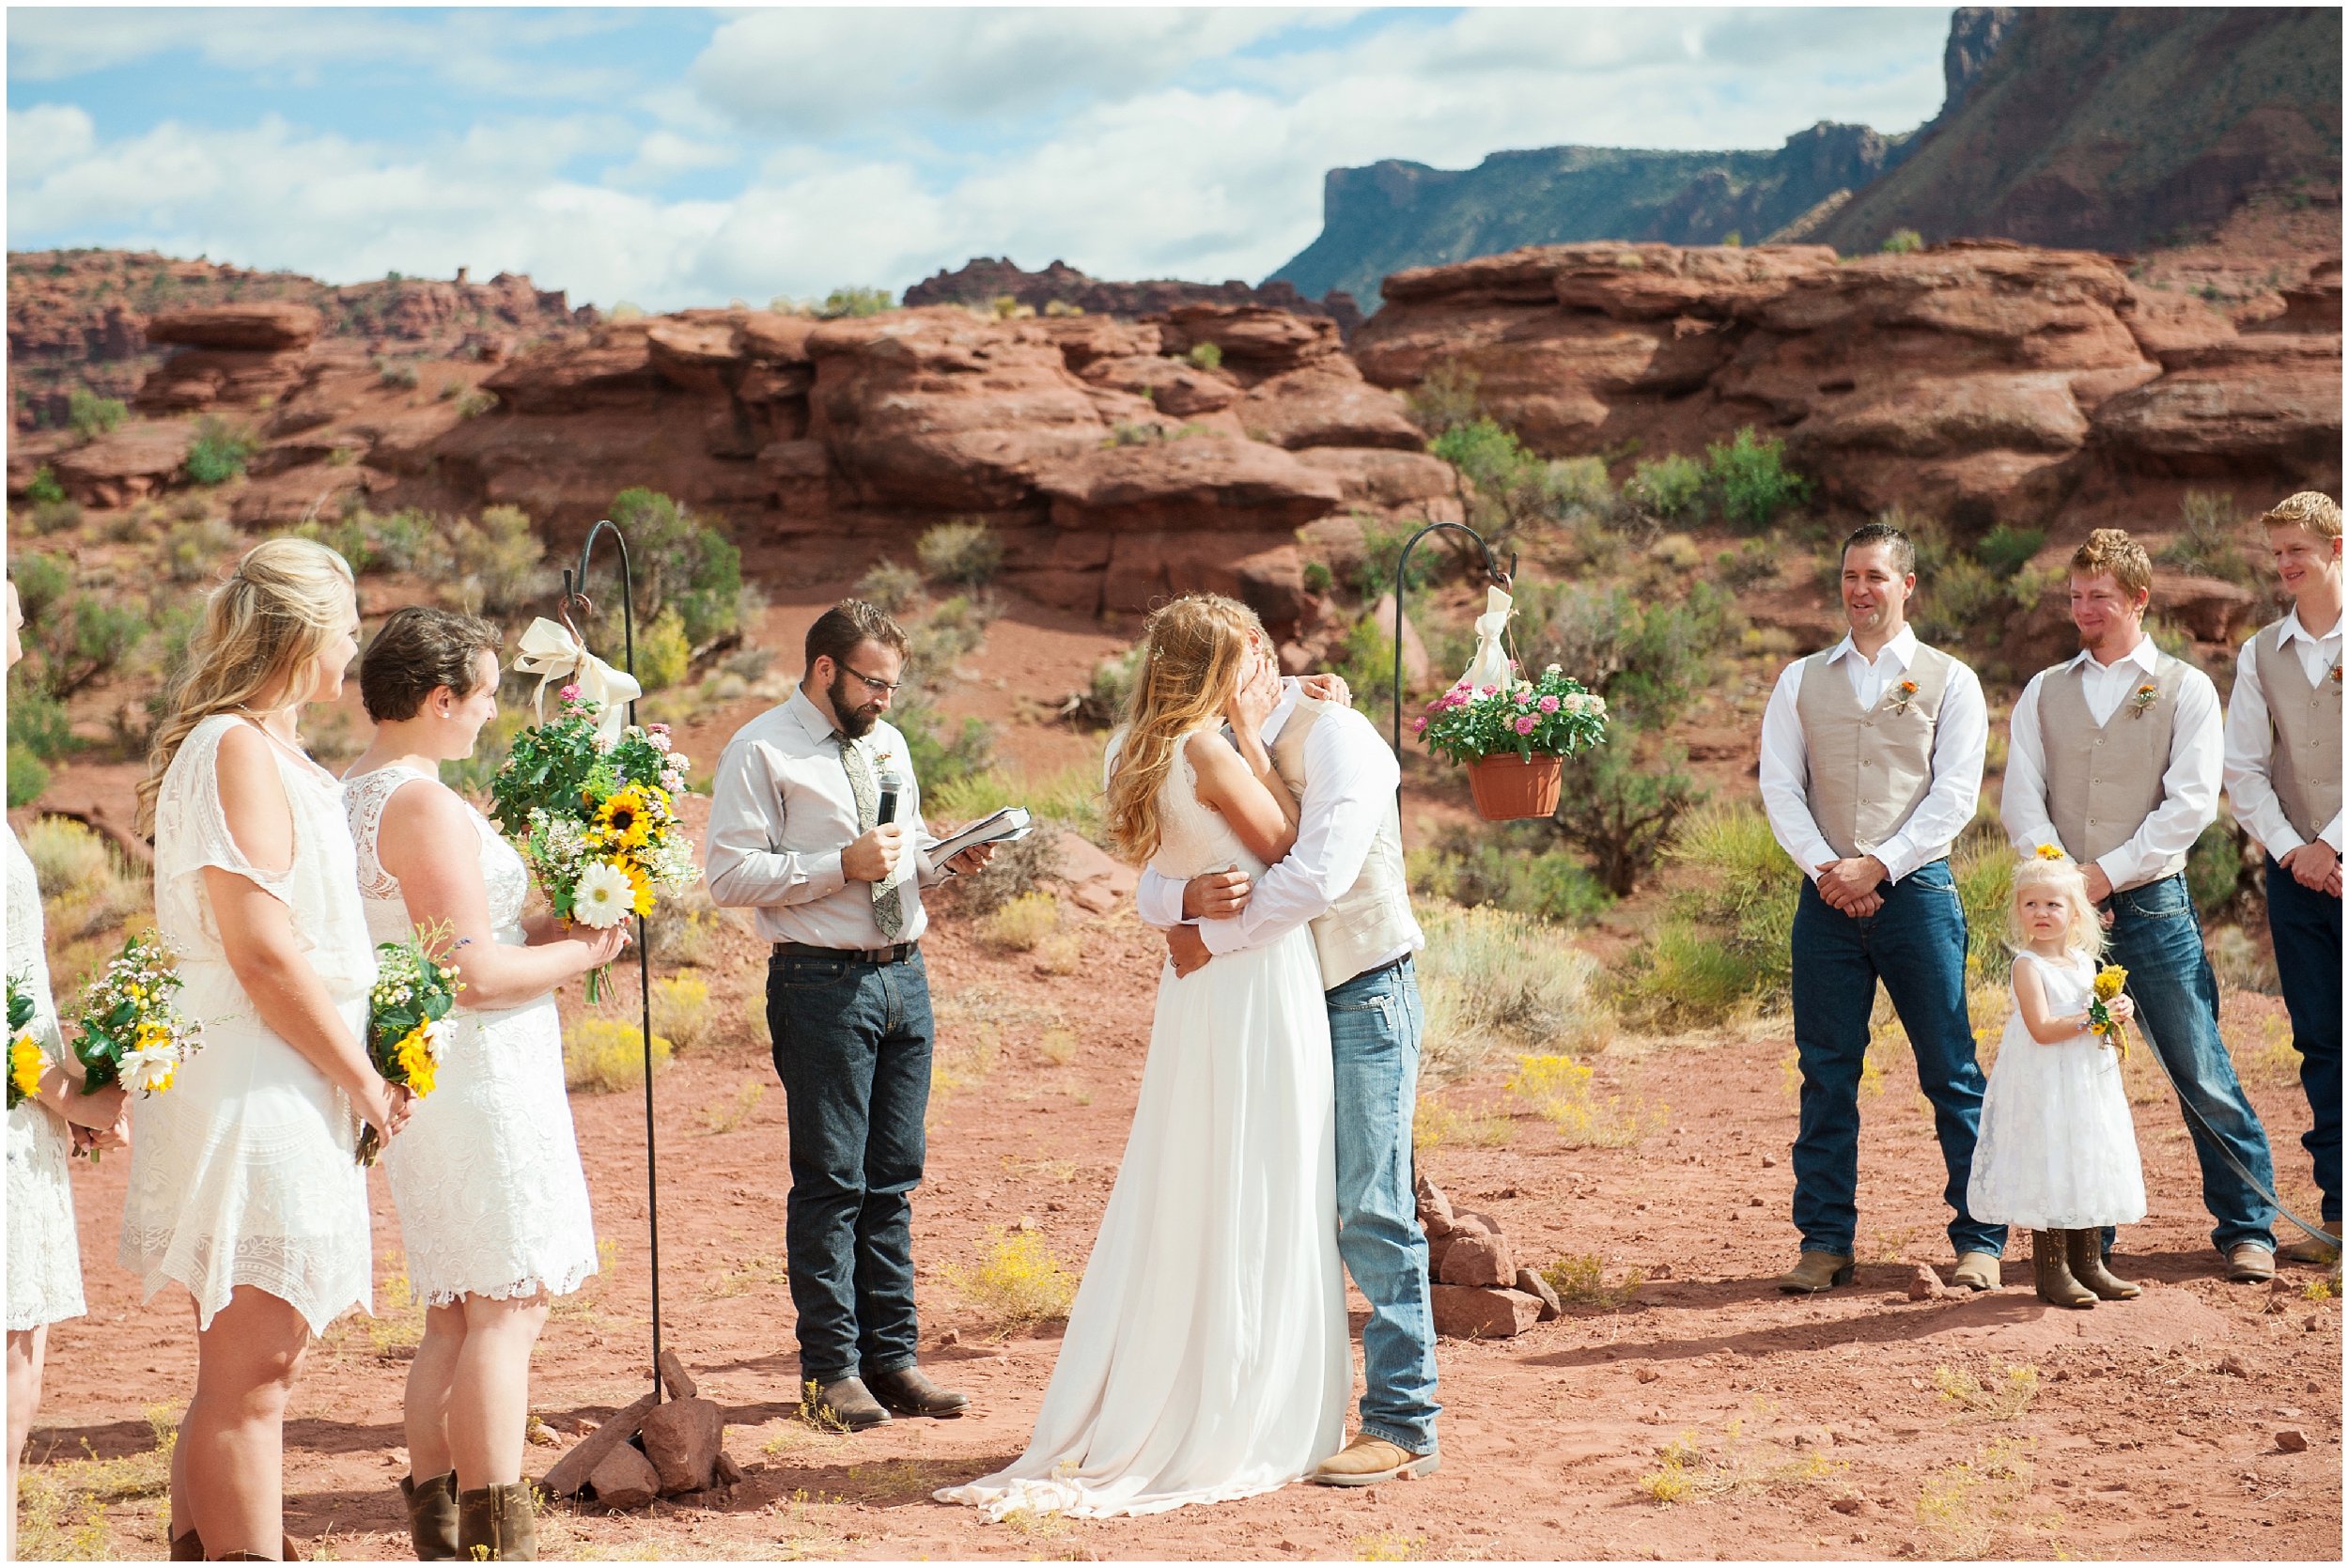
[[1814, 1272], [187, 1548], [2084, 1251], [431, 1516], [497, 1524], [1975, 1271], [2056, 1285]]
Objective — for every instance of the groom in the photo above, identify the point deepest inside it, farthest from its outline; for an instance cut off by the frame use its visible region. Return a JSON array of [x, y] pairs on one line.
[[1346, 878]]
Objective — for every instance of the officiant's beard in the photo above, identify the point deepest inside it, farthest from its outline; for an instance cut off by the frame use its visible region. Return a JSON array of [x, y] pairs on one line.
[[855, 722]]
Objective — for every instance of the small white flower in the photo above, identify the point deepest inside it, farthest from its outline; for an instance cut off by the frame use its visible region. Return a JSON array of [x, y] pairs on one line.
[[1551, 670], [144, 1068], [604, 896]]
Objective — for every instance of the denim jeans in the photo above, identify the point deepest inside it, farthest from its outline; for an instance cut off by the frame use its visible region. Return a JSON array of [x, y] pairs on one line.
[[2157, 938], [1375, 1022], [2307, 927], [1916, 944], [852, 1047]]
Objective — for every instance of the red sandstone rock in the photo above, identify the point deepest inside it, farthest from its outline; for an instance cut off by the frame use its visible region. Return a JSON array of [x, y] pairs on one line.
[[1084, 339], [1384, 616], [269, 324], [1474, 1312], [1369, 477], [1264, 572], [1477, 1260], [126, 462], [299, 494], [2214, 611], [698, 353], [683, 1438], [1534, 1285], [1174, 387], [1256, 341], [613, 369], [624, 1478], [1203, 484], [1327, 403]]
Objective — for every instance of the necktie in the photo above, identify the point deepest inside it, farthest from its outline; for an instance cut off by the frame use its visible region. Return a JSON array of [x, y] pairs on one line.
[[888, 906]]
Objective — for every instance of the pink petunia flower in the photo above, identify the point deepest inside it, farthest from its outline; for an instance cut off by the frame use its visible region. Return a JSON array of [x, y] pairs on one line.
[[1548, 705], [1525, 723], [1419, 726], [1491, 690]]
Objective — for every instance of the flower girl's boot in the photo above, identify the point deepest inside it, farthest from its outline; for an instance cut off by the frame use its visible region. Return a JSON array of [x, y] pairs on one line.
[[497, 1524], [431, 1516], [2056, 1285], [2085, 1253]]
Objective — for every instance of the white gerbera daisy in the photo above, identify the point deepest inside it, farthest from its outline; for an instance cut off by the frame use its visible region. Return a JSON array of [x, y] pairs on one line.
[[604, 896], [149, 1068]]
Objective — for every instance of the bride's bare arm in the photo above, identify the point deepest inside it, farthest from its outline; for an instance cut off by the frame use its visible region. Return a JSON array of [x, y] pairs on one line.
[[428, 841], [256, 931], [1248, 792]]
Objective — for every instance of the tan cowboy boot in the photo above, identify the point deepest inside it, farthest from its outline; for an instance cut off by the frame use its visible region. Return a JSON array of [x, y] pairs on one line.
[[1814, 1272], [431, 1516], [2309, 1250], [1975, 1271], [2250, 1263], [497, 1524], [1367, 1460], [2056, 1285], [2085, 1251]]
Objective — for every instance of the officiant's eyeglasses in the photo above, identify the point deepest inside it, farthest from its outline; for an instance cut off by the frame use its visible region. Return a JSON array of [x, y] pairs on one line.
[[872, 685]]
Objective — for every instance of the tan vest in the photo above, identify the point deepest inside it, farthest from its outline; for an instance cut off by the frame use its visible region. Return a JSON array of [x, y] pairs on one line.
[[1371, 918], [2102, 782], [1871, 769], [2305, 763]]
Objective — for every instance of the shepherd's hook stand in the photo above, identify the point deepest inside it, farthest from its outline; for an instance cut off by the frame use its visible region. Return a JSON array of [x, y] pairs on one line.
[[575, 595], [1499, 580]]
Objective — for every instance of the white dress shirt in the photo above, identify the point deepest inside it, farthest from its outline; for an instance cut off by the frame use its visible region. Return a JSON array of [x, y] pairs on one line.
[[1961, 735], [2189, 784], [2252, 738], [781, 812], [1350, 781]]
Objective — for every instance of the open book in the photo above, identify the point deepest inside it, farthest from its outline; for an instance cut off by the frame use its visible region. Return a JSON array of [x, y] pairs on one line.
[[1004, 826]]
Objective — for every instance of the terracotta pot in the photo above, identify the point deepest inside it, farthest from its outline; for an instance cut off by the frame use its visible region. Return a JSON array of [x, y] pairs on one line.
[[1508, 787]]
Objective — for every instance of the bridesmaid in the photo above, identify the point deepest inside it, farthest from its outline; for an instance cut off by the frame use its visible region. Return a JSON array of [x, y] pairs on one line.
[[492, 1202], [244, 1186], [45, 1248]]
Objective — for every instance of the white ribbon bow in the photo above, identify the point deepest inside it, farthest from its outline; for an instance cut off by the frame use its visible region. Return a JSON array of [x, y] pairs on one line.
[[1490, 667], [549, 651]]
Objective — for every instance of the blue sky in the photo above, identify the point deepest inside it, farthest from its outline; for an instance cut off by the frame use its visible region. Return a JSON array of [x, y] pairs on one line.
[[678, 157]]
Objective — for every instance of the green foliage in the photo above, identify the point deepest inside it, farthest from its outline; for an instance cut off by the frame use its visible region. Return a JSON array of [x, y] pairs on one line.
[[1620, 803], [1744, 886], [855, 300], [1903, 241], [496, 566], [403, 541], [476, 401], [1983, 866], [1490, 455], [68, 646], [2222, 866], [54, 517], [2211, 544], [1965, 595], [91, 415], [1207, 356], [1102, 705], [2007, 549], [1383, 547], [663, 653], [219, 452], [965, 552], [1647, 660], [1755, 561], [1472, 871], [889, 587], [1551, 715], [941, 751], [36, 720], [44, 486], [677, 560], [403, 375], [1752, 480], [1317, 578], [1670, 488], [1445, 398], [42, 584], [1496, 984], [192, 550], [27, 774]]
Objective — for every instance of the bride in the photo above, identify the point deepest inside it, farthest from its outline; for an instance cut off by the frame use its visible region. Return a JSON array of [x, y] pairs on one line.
[[1206, 1356]]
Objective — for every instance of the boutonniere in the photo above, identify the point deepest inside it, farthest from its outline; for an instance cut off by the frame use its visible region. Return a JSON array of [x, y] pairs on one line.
[[2336, 674], [2146, 697], [1902, 695], [2050, 852]]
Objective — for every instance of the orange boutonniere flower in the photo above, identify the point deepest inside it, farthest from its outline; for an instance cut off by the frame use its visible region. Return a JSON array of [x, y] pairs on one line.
[[1902, 695], [2146, 697]]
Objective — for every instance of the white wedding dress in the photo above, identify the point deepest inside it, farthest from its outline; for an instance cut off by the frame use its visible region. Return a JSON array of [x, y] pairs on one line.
[[45, 1248], [1206, 1356], [486, 1174], [2057, 1148], [242, 1171]]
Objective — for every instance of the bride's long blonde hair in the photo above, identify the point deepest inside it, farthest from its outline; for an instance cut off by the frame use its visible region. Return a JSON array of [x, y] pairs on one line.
[[1194, 655], [275, 615]]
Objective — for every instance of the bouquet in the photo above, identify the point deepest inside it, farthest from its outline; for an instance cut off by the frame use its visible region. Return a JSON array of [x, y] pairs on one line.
[[1553, 715], [132, 1032], [2101, 1022], [594, 815], [413, 993], [26, 1061]]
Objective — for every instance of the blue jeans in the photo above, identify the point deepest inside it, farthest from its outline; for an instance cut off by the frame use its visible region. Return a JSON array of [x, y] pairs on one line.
[[852, 1047], [2157, 938], [1916, 944], [1375, 1022], [2307, 927]]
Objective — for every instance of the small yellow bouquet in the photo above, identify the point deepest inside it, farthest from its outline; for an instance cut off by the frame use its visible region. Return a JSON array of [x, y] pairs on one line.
[[2101, 1022], [26, 1060], [413, 993]]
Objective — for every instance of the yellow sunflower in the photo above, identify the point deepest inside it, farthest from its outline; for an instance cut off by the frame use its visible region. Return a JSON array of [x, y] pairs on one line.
[[414, 1056], [623, 818]]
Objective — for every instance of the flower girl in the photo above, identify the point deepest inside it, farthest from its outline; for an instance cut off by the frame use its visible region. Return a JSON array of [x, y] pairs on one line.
[[2058, 1152]]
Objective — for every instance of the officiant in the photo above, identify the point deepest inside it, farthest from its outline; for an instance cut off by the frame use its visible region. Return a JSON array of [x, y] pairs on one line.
[[815, 825]]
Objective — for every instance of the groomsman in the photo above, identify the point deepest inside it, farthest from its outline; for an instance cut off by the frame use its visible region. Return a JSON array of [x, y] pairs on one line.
[[2283, 774], [2116, 756], [1872, 757]]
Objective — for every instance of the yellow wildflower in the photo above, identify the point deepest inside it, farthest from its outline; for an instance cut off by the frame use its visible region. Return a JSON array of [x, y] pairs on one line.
[[2109, 980], [25, 1064], [2050, 852]]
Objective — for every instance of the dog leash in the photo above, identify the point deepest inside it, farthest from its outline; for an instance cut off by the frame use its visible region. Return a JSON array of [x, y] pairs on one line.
[[2226, 1154]]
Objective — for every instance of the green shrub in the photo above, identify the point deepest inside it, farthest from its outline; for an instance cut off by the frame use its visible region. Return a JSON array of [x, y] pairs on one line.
[[1383, 547], [1685, 979], [191, 551], [1903, 241], [964, 553], [1102, 705], [44, 485], [402, 375], [91, 415], [1472, 870], [1018, 924], [941, 751], [408, 540], [953, 629], [496, 565], [889, 587], [2007, 549], [677, 560], [1744, 888], [1579, 484], [54, 517], [1755, 561], [1647, 660], [1497, 985], [37, 721], [853, 300], [474, 402], [27, 776], [2222, 866], [1620, 803], [42, 583], [1752, 480], [1207, 356], [1317, 578], [663, 653], [219, 452], [1445, 399], [1017, 871], [604, 1055], [1670, 489], [1983, 866], [2211, 544]]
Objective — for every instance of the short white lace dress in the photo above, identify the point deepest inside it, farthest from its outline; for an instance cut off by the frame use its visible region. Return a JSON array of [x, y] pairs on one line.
[[45, 1248], [486, 1174], [2057, 1148], [242, 1171]]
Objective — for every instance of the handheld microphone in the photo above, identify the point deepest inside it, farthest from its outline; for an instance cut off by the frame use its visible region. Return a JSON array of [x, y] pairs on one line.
[[891, 784]]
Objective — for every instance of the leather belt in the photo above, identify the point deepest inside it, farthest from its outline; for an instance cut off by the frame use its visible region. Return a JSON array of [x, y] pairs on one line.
[[897, 955]]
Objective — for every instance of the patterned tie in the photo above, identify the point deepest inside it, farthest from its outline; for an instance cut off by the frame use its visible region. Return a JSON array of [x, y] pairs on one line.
[[888, 906]]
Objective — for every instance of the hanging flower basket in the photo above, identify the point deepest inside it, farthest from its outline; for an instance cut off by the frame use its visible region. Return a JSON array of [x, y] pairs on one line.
[[1508, 786], [1514, 735]]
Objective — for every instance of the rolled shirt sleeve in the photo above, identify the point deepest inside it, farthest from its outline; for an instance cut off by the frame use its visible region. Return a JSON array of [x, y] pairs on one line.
[[1786, 776]]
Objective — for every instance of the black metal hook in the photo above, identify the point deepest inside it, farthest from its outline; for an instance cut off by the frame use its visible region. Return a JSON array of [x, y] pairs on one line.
[[1493, 573]]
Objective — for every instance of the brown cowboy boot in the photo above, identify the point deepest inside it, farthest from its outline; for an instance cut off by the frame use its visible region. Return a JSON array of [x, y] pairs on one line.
[[2085, 1251], [1814, 1272], [497, 1524], [431, 1516], [2056, 1285]]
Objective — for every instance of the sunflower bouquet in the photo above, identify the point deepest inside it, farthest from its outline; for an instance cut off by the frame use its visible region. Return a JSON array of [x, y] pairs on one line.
[[26, 1061], [593, 814], [413, 993], [2101, 1022], [132, 1032]]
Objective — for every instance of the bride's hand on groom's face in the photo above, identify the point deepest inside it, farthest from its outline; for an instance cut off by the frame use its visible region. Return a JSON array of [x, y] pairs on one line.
[[1256, 697]]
